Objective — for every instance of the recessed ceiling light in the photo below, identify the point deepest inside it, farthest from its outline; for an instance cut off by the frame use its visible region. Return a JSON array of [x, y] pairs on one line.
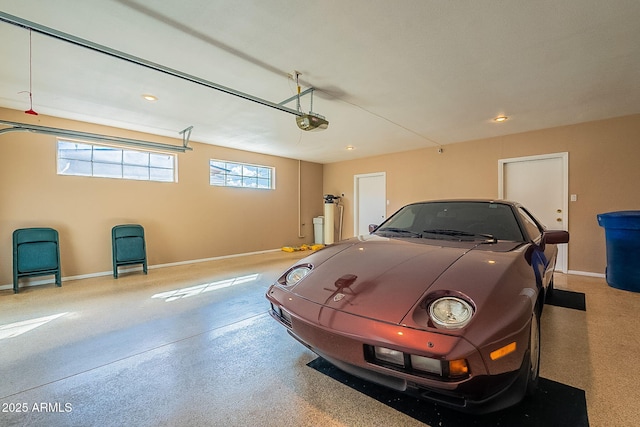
[[500, 119], [350, 147], [150, 97]]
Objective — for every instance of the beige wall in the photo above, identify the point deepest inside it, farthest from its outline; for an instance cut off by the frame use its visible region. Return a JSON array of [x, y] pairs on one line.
[[191, 220], [603, 172], [187, 220]]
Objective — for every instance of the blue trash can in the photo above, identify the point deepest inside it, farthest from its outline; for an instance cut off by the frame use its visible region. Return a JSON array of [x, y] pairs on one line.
[[622, 233]]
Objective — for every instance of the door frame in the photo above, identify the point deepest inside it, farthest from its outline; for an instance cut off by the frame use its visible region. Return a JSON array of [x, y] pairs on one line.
[[564, 156], [356, 197]]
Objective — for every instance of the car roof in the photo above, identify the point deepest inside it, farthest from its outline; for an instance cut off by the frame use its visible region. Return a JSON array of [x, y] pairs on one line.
[[497, 201]]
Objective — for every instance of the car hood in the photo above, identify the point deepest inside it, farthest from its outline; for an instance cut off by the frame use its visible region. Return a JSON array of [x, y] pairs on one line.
[[377, 277]]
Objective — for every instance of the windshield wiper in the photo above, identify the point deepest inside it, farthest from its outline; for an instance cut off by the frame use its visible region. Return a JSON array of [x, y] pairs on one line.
[[399, 230], [458, 233]]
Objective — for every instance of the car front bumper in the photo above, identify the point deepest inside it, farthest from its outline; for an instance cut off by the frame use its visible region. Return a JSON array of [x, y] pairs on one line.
[[341, 339]]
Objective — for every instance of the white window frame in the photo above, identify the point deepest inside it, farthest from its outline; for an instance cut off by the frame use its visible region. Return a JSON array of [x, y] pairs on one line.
[[107, 161], [232, 174]]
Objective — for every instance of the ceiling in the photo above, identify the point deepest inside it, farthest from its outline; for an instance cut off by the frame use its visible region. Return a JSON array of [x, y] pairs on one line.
[[388, 75]]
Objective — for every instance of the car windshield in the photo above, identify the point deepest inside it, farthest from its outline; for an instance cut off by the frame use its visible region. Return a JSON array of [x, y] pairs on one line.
[[486, 221]]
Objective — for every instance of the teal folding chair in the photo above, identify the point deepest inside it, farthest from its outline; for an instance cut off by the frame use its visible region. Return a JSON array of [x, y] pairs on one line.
[[36, 252], [128, 247]]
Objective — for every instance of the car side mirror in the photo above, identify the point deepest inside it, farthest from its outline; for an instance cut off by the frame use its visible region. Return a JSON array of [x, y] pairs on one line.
[[372, 228], [555, 237]]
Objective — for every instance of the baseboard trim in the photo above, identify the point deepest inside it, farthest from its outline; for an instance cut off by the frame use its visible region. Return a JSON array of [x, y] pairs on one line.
[[586, 273], [130, 269]]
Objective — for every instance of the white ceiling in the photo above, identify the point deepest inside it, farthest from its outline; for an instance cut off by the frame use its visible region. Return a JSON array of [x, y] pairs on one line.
[[389, 75]]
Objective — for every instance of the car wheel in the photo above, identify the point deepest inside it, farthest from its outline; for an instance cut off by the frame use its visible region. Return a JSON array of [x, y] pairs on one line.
[[534, 353]]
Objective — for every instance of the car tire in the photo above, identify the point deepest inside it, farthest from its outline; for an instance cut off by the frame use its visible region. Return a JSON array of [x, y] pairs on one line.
[[534, 353]]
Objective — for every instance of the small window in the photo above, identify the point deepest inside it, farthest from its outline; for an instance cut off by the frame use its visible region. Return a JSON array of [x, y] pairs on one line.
[[82, 159], [231, 174]]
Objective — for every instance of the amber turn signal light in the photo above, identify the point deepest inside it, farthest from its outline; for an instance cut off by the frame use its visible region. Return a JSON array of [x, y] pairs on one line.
[[458, 368], [503, 351]]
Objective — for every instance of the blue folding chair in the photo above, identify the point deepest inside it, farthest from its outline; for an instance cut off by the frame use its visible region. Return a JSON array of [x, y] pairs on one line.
[[36, 252], [128, 247]]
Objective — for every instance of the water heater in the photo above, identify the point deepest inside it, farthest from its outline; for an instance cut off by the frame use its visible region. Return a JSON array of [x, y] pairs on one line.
[[329, 218]]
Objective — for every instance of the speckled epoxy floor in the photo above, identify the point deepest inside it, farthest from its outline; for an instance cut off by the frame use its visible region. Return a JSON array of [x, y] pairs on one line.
[[188, 346]]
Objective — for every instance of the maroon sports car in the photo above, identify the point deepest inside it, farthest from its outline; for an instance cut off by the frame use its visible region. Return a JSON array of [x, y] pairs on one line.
[[443, 300]]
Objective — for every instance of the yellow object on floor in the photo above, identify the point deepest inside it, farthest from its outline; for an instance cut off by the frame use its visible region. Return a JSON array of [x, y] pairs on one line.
[[302, 248]]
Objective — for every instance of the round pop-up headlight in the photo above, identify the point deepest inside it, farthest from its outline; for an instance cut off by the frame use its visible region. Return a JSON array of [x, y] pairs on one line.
[[296, 274], [450, 312]]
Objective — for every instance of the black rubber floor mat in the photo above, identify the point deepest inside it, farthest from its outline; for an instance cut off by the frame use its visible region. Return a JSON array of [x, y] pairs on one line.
[[554, 404], [567, 299]]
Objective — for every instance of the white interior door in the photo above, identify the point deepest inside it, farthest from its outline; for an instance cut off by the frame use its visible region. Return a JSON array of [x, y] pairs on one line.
[[370, 205], [541, 184]]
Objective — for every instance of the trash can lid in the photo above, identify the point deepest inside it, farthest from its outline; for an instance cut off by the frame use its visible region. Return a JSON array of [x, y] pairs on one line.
[[624, 220]]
